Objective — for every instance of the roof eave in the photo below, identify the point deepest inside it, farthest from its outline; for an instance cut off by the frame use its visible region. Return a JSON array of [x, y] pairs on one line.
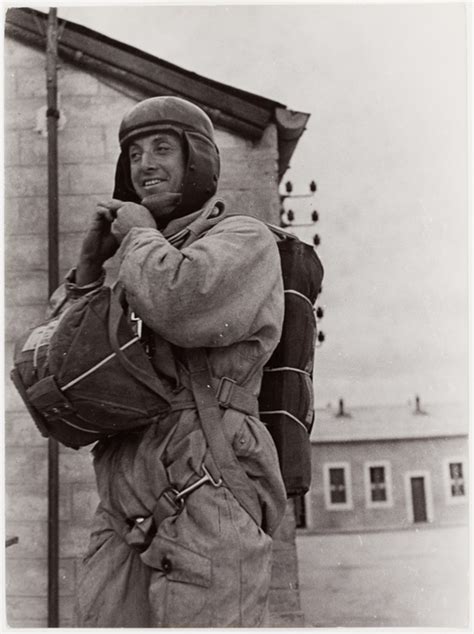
[[290, 126]]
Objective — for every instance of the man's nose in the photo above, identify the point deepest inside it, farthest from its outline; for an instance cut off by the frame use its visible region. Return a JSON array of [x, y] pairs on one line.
[[148, 160]]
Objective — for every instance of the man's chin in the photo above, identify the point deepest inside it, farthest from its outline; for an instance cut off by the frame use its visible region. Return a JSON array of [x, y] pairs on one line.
[[161, 205]]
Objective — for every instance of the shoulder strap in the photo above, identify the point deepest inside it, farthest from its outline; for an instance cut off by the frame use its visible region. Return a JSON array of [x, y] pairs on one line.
[[225, 462]]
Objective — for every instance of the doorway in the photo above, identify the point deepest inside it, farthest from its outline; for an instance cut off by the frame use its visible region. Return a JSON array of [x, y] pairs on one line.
[[418, 497], [300, 511]]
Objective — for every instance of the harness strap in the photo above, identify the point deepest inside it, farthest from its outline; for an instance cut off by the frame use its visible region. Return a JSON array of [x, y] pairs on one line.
[[150, 380], [229, 394], [233, 396], [223, 461]]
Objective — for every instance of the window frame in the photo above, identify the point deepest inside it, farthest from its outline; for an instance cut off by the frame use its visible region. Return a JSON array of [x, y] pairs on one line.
[[338, 506], [450, 499], [378, 504]]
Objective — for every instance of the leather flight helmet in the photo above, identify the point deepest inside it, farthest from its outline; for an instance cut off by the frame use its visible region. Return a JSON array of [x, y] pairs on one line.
[[194, 127]]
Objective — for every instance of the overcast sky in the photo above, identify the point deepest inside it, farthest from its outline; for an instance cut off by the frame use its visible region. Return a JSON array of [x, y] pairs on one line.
[[387, 145]]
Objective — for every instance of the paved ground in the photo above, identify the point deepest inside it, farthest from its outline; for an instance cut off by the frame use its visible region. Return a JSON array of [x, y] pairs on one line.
[[416, 578]]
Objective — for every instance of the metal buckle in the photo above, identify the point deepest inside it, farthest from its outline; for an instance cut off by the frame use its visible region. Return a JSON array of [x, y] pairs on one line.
[[138, 324], [215, 484], [173, 497], [224, 391], [192, 487]]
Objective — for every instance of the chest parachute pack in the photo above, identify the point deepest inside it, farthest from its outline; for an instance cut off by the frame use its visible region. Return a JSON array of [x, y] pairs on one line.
[[84, 375]]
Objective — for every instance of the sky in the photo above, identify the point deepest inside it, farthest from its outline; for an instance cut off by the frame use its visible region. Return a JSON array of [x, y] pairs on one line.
[[386, 142]]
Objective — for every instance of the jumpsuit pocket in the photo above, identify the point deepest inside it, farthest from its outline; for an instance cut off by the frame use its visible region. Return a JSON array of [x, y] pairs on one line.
[[179, 586]]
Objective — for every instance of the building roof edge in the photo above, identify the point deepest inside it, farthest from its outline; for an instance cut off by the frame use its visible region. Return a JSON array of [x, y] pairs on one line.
[[240, 111]]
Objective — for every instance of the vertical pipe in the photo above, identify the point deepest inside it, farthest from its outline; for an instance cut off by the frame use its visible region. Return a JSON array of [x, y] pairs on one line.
[[53, 280]]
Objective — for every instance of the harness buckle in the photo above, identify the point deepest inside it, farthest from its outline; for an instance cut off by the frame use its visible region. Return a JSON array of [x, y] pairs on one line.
[[138, 324], [180, 495], [225, 390], [214, 483], [174, 497]]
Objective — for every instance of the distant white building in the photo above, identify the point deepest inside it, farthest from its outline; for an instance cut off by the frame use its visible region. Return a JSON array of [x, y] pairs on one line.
[[387, 468]]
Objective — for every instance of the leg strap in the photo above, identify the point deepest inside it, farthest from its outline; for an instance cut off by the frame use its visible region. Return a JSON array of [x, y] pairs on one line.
[[223, 463]]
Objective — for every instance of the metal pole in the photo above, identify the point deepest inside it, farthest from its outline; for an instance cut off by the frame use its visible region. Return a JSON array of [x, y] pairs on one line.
[[53, 281]]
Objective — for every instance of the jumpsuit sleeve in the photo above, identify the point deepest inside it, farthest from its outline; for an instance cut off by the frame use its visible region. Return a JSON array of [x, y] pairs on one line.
[[213, 293], [69, 291]]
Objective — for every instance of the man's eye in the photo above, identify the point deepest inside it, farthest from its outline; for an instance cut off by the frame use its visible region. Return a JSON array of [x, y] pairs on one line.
[[134, 156], [163, 147]]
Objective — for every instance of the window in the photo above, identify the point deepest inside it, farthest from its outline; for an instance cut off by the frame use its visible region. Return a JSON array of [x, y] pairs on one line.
[[337, 486], [378, 484], [378, 489], [455, 479]]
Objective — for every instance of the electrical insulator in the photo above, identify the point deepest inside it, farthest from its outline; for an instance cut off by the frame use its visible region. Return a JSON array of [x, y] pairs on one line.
[[315, 216], [291, 215], [316, 240], [321, 336], [312, 186], [319, 312], [288, 187]]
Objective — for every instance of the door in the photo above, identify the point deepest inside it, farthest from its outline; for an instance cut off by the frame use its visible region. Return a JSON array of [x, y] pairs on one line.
[[300, 511], [418, 499]]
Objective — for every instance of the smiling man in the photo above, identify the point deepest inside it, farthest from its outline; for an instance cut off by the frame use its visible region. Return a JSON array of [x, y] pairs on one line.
[[182, 535], [157, 164]]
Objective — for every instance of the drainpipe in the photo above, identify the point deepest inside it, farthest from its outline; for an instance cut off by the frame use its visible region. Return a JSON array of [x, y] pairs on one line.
[[52, 115]]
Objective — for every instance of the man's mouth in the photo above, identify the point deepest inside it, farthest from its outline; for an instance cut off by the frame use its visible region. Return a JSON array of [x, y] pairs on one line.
[[151, 182]]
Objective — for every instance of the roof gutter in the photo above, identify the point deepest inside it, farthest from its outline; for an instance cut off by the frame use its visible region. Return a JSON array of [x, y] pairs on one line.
[[290, 127]]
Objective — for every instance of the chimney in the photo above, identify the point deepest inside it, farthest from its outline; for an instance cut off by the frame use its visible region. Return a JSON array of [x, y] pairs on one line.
[[418, 410], [342, 413]]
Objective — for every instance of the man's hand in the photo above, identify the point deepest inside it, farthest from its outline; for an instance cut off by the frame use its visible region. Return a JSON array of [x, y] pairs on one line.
[[98, 246], [127, 216], [110, 223]]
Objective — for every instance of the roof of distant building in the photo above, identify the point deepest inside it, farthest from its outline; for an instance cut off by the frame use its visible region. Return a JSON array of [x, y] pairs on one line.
[[390, 423], [231, 108]]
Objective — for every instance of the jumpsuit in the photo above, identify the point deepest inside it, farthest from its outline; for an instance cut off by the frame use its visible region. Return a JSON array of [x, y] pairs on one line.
[[207, 565]]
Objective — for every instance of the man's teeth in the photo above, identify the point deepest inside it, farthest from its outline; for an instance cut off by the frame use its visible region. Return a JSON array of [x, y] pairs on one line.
[[152, 181]]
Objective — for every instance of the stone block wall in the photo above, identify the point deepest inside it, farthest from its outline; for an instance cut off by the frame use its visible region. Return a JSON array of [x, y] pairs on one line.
[[91, 110]]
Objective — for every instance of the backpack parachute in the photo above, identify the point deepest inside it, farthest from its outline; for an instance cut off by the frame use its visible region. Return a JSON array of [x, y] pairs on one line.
[[286, 400]]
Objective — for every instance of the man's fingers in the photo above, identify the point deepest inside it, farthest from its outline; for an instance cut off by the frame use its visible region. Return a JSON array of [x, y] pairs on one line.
[[111, 204], [104, 213]]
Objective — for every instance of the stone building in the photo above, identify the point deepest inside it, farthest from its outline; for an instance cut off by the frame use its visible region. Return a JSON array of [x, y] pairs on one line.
[[377, 468], [99, 80]]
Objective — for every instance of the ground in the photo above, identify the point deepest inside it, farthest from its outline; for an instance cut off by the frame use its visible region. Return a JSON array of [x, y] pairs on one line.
[[410, 578]]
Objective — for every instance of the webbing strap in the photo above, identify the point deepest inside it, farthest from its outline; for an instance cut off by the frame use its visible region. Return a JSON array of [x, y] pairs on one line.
[[151, 381], [222, 454], [230, 394]]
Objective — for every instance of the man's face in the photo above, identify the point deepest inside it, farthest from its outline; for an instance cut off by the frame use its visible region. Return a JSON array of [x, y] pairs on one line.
[[157, 164]]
